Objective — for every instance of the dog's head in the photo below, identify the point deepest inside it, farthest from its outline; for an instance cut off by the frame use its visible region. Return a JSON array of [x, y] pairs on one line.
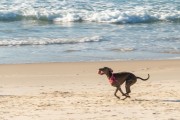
[[104, 70]]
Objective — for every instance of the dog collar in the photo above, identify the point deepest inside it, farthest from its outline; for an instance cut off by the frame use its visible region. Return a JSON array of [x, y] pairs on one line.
[[112, 80]]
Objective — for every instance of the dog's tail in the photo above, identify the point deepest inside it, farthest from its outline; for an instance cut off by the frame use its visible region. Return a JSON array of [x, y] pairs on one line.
[[143, 78]]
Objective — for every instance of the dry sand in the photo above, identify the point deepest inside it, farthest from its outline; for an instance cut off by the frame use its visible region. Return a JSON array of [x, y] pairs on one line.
[[74, 91]]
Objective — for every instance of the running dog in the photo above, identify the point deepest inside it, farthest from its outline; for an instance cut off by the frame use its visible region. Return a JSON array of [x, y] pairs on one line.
[[117, 79]]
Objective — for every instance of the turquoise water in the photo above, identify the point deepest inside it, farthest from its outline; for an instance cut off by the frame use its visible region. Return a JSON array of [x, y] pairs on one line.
[[88, 30]]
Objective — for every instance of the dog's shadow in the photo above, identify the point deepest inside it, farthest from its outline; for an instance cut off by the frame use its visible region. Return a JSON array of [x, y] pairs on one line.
[[7, 96], [156, 100], [178, 101]]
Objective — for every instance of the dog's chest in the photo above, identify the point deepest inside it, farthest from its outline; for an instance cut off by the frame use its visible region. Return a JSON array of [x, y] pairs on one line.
[[113, 81]]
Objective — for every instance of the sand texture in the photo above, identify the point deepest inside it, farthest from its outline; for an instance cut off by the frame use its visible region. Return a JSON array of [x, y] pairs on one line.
[[74, 91]]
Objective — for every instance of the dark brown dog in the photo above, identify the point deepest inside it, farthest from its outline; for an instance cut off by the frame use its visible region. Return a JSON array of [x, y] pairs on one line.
[[117, 79]]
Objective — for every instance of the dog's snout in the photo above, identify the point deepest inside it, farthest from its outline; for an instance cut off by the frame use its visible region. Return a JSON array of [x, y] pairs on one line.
[[100, 72]]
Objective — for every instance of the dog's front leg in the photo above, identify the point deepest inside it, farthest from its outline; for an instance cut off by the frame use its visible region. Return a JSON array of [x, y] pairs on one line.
[[117, 88], [123, 94]]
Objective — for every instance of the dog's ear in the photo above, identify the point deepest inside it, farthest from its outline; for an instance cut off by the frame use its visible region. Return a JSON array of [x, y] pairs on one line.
[[108, 69]]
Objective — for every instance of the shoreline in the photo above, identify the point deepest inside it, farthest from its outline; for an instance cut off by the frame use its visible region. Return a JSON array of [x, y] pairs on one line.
[[72, 91], [100, 61]]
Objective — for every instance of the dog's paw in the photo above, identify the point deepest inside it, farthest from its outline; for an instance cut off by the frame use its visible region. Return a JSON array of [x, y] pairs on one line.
[[117, 97], [124, 95], [127, 95], [126, 98]]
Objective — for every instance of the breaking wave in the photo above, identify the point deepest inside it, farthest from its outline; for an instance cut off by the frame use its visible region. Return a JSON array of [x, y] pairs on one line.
[[46, 41], [123, 49], [90, 11]]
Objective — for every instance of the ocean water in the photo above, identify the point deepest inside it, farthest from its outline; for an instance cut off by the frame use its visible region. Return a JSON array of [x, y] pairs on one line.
[[34, 31]]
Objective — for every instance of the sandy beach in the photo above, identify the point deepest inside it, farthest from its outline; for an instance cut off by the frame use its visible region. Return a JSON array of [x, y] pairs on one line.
[[74, 91]]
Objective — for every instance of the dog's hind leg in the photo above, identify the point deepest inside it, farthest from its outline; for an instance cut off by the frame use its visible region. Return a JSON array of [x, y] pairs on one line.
[[128, 90], [129, 83]]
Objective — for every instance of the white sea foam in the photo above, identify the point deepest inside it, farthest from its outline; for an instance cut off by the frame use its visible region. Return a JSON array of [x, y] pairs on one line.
[[46, 41], [79, 10], [123, 49]]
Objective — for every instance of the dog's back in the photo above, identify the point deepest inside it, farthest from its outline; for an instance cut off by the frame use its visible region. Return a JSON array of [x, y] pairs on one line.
[[123, 76]]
